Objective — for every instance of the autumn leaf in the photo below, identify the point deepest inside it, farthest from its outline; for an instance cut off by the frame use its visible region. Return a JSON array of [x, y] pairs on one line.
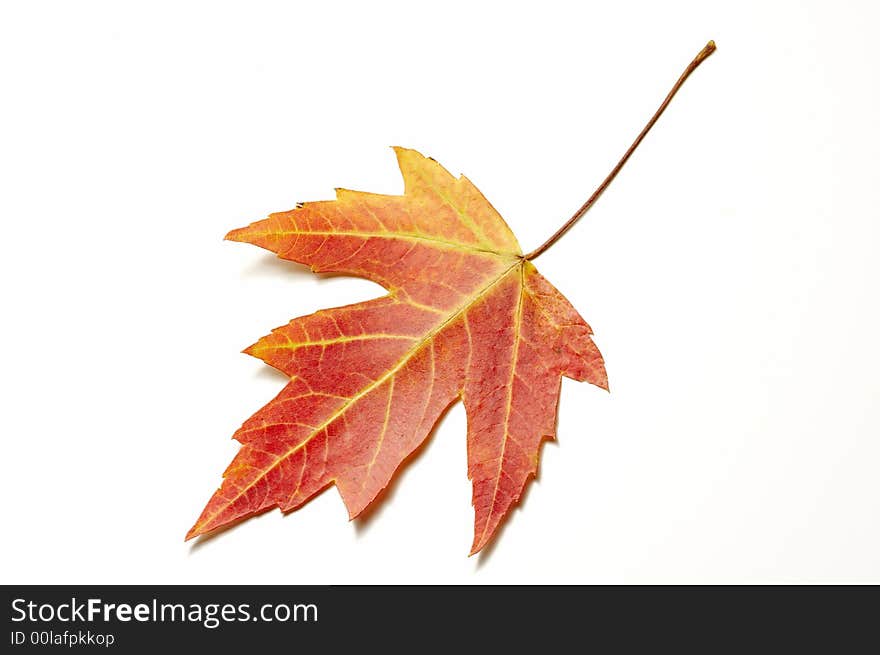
[[466, 316]]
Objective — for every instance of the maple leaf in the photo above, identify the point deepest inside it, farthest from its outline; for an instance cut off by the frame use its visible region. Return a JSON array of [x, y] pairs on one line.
[[467, 316]]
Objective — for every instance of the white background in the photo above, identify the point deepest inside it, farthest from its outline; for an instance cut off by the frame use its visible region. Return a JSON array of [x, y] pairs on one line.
[[730, 274]]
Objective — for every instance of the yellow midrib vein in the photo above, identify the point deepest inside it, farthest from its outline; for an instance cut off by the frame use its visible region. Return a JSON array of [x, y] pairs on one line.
[[404, 236], [296, 345]]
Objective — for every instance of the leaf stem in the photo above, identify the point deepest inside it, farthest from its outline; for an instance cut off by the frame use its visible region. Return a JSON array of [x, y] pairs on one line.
[[703, 54]]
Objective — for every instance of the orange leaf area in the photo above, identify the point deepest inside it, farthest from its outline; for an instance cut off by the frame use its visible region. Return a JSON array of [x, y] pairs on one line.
[[466, 316]]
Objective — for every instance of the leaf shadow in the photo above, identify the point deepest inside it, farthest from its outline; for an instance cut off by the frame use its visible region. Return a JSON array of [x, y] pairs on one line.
[[272, 266], [377, 506], [271, 374]]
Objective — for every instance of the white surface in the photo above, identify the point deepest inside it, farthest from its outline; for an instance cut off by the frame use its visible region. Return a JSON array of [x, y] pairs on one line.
[[730, 274]]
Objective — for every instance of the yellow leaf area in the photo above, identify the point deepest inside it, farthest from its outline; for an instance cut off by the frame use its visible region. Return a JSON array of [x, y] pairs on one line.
[[466, 316]]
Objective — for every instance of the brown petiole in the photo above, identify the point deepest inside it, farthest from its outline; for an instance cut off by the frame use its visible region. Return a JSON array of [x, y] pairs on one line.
[[703, 54]]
